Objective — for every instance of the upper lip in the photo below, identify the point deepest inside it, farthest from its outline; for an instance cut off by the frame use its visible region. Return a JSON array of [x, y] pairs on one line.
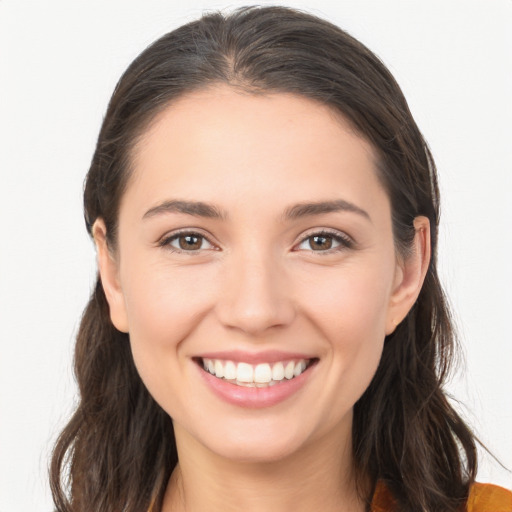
[[267, 356]]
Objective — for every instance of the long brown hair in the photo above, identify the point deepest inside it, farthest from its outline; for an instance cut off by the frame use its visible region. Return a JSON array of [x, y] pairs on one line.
[[118, 450]]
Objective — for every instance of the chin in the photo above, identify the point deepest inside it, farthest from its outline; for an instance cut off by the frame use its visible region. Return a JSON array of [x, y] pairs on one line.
[[256, 441], [270, 451]]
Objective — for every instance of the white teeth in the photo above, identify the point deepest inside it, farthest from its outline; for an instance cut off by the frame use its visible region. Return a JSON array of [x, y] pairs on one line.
[[219, 369], [289, 370], [260, 375], [278, 371], [230, 370], [299, 368], [244, 373]]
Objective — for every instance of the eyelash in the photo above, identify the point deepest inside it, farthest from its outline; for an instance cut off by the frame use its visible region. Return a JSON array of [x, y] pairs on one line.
[[166, 241], [344, 241]]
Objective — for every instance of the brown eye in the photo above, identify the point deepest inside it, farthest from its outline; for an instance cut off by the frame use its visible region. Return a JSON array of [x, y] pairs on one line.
[[326, 242], [190, 242], [320, 242], [186, 242]]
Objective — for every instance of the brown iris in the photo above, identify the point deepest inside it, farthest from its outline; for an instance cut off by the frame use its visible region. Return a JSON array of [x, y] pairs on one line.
[[190, 242], [320, 242]]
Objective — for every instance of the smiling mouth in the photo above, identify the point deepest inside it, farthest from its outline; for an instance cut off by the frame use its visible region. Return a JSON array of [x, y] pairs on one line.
[[260, 375]]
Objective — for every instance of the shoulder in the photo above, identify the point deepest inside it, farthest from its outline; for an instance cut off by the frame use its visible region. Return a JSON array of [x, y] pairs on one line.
[[482, 498], [489, 498], [383, 500]]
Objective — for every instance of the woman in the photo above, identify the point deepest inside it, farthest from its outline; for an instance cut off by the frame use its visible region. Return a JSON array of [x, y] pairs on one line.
[[267, 330]]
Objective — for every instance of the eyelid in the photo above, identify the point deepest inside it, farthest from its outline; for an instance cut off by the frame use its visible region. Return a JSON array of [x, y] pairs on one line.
[[345, 241], [166, 239]]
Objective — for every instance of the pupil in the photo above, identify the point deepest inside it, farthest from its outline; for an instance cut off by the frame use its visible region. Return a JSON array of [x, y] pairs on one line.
[[190, 242], [321, 242]]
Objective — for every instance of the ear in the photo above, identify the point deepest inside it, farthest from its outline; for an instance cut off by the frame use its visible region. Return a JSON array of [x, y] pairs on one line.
[[109, 274], [410, 274]]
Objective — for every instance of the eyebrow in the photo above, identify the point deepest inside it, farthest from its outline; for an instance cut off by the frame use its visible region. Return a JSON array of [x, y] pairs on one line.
[[317, 208], [210, 211], [195, 208]]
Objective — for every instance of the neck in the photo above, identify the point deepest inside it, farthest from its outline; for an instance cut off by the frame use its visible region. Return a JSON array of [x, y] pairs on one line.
[[318, 478]]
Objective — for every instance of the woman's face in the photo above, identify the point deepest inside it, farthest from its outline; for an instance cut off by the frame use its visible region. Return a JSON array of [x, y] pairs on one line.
[[255, 239]]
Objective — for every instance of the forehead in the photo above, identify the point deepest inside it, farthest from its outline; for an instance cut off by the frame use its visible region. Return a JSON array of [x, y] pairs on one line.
[[217, 105], [223, 144]]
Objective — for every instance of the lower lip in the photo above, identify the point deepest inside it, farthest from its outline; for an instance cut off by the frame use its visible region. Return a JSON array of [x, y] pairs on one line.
[[253, 397]]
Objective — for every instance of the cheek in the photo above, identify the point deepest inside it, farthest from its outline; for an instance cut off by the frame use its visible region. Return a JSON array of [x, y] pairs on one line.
[[164, 306], [353, 301], [351, 315], [163, 303]]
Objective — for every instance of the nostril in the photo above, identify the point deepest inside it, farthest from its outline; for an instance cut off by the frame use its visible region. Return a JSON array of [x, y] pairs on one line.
[[254, 318]]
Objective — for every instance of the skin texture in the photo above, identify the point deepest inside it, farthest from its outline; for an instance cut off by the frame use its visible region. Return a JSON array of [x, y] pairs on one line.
[[257, 283]]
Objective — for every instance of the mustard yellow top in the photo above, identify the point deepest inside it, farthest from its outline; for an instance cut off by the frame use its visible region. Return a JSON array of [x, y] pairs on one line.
[[482, 498]]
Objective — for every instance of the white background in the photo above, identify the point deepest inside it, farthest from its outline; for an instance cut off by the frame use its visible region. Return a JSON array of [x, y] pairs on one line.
[[59, 62]]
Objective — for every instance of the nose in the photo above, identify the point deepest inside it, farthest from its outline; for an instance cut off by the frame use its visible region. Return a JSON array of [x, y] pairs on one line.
[[255, 295]]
